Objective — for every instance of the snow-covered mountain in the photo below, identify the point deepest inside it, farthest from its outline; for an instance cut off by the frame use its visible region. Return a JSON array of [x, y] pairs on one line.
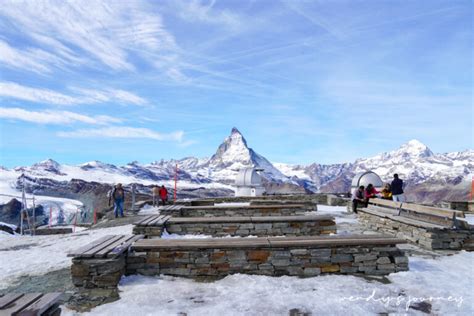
[[413, 161]]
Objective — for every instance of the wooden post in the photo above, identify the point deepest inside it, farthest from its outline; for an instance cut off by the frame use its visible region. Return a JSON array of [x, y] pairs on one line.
[[175, 182]]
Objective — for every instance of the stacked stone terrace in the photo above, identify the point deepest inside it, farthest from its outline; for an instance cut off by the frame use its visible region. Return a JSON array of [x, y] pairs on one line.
[[290, 241], [309, 225], [429, 227]]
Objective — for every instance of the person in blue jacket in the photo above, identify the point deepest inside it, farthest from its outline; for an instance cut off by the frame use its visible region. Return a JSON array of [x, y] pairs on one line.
[[118, 195], [397, 189]]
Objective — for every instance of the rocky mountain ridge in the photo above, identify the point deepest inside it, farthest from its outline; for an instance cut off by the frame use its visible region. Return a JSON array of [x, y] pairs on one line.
[[414, 161]]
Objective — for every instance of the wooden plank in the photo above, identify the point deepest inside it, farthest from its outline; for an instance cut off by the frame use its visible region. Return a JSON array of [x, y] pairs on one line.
[[429, 210], [141, 220], [160, 244], [164, 219], [90, 253], [386, 210], [9, 298], [155, 221], [20, 304], [41, 305], [336, 242], [402, 219], [385, 203], [109, 248], [297, 218], [89, 246], [210, 220], [149, 220], [124, 247], [428, 218], [327, 241]]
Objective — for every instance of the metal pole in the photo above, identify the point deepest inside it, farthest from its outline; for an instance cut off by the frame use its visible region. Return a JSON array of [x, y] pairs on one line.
[[23, 204], [34, 216], [175, 182], [133, 197]]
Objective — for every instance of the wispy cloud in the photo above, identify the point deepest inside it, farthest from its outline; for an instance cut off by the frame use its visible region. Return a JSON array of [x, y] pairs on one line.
[[205, 11], [109, 33], [124, 132], [54, 117], [83, 96]]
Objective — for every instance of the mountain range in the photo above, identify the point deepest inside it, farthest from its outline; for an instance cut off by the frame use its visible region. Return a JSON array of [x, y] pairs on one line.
[[429, 177]]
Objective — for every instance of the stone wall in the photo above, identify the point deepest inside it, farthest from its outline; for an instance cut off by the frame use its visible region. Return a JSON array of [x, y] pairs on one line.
[[201, 211], [430, 238], [317, 198], [96, 281], [299, 226], [272, 261]]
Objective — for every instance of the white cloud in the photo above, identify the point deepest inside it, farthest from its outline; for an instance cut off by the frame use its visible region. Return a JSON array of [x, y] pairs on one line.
[[54, 117], [105, 32], [204, 11], [124, 132], [12, 57], [85, 96]]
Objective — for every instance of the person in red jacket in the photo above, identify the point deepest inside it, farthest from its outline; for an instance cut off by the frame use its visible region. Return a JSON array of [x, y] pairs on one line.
[[163, 194], [370, 192]]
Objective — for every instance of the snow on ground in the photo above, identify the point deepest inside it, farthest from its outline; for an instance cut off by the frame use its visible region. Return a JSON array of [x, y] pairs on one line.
[[470, 218], [448, 280], [149, 210], [37, 255], [235, 204]]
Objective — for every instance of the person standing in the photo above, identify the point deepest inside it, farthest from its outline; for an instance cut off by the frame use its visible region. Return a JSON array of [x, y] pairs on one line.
[[397, 189], [118, 195], [156, 195], [163, 195], [358, 198]]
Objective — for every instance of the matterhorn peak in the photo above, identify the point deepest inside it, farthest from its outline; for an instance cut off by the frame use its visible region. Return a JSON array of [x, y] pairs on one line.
[[235, 131]]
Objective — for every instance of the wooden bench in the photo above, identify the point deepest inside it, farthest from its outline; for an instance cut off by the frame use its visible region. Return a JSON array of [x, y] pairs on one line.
[[434, 215], [274, 256], [31, 304], [430, 227], [243, 226], [110, 246], [98, 267]]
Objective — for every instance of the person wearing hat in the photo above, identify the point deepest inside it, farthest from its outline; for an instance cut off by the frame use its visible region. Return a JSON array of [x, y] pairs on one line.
[[118, 194]]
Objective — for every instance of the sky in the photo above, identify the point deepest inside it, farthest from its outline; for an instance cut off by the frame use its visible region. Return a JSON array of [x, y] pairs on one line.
[[304, 81]]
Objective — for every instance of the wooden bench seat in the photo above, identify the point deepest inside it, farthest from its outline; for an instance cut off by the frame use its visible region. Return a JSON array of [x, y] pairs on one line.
[[110, 246], [209, 243], [429, 227], [31, 304]]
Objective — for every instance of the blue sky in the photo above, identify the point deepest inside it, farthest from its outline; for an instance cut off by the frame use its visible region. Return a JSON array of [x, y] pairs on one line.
[[304, 81]]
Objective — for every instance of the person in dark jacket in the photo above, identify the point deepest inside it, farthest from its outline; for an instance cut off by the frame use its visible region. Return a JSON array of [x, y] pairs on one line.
[[397, 189], [358, 198], [163, 195], [118, 195]]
